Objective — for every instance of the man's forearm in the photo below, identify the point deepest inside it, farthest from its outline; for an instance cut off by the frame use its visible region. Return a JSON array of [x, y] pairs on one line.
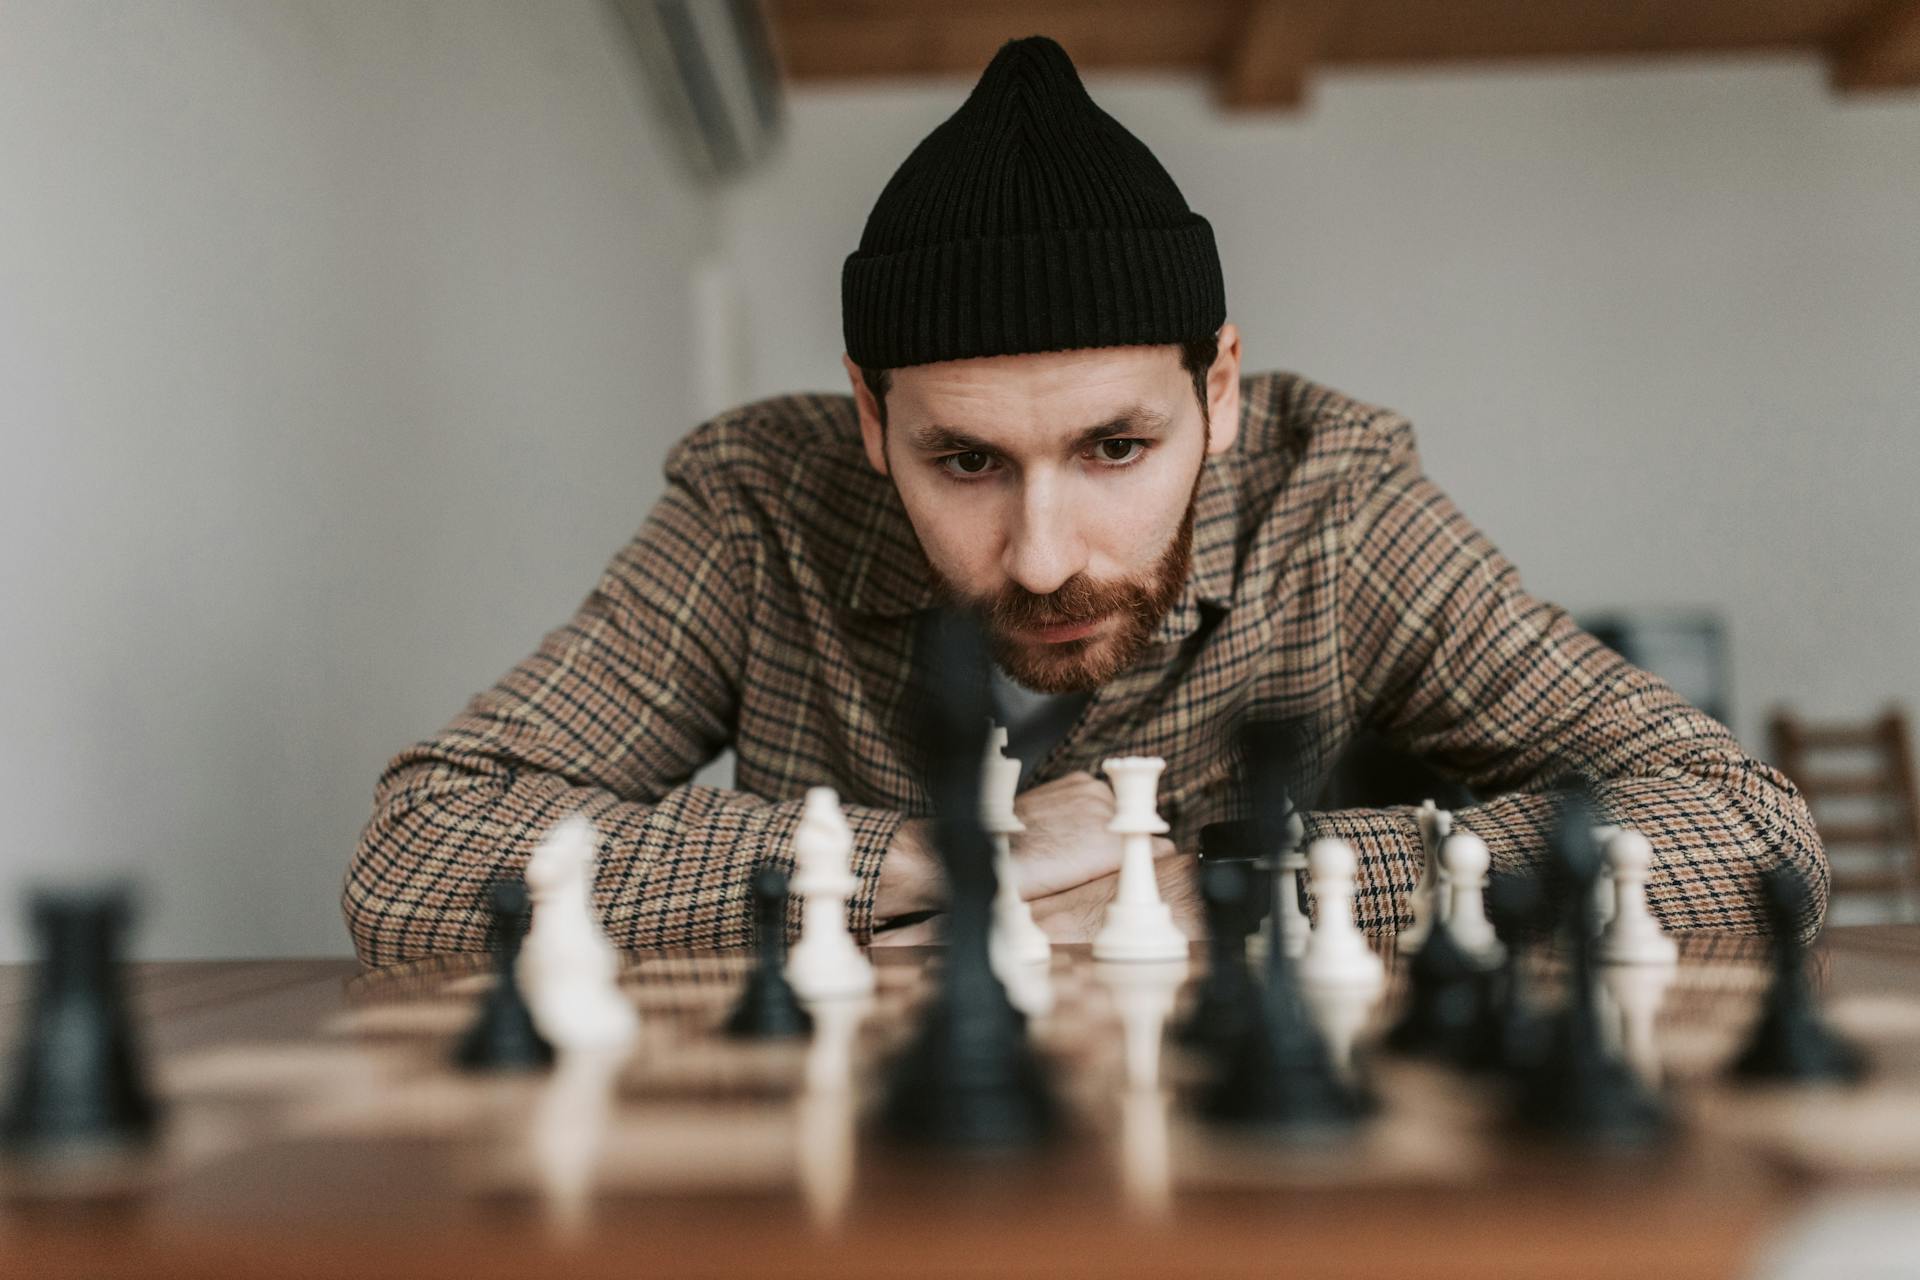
[[910, 882]]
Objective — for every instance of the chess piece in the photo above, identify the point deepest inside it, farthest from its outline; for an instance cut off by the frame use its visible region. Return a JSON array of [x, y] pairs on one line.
[[503, 1037], [1632, 935], [1636, 992], [1138, 925], [1428, 900], [769, 1008], [1222, 1000], [1577, 1090], [1273, 1072], [1017, 940], [1603, 834], [1465, 857], [79, 1080], [568, 971], [1511, 1028], [826, 963], [1449, 994], [1337, 953], [1288, 896], [968, 1078], [1791, 1041]]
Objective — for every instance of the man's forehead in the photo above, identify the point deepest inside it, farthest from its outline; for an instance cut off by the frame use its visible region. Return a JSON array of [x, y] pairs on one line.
[[1055, 391]]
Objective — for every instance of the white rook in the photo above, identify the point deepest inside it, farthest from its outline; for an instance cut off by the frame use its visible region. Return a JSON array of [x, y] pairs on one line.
[[1138, 925]]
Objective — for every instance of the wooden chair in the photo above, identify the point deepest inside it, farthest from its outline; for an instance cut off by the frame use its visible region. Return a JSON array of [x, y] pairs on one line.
[[1858, 780]]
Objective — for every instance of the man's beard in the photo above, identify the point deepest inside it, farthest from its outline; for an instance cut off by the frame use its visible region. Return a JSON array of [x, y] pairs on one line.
[[1079, 666]]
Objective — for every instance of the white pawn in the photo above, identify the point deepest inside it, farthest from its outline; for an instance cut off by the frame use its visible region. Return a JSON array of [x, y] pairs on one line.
[[1603, 884], [1429, 900], [1295, 927], [1337, 954], [825, 963], [1016, 939], [568, 971], [1466, 860], [1633, 936], [1138, 924]]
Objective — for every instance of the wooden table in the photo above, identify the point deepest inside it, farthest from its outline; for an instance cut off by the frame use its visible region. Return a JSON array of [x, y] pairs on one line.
[[314, 1131]]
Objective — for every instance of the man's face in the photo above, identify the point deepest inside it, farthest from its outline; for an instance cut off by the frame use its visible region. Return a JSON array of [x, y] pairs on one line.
[[1054, 493]]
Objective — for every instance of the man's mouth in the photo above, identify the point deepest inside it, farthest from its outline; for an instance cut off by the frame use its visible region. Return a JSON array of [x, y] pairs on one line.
[[1063, 632]]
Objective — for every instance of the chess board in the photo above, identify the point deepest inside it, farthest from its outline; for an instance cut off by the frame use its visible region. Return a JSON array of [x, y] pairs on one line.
[[315, 1126]]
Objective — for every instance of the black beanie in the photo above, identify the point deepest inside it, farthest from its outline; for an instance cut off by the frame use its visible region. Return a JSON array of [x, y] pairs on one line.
[[1030, 220]]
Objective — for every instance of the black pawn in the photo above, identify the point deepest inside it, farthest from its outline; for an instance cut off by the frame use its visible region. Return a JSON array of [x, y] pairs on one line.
[[1510, 1038], [503, 1037], [768, 1008], [1578, 1090], [969, 1079], [1220, 1009], [1448, 998], [1791, 1042], [1275, 1074], [78, 1078]]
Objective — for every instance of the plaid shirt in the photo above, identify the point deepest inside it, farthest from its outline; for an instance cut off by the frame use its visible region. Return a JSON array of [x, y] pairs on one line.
[[768, 604]]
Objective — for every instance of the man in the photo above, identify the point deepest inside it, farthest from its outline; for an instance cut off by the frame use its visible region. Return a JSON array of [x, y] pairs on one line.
[[1048, 422]]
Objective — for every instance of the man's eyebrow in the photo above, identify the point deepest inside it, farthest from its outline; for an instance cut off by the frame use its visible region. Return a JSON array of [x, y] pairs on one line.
[[1133, 421]]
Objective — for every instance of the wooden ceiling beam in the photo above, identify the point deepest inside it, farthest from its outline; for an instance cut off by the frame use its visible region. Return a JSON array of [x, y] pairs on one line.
[[1267, 60], [1883, 54]]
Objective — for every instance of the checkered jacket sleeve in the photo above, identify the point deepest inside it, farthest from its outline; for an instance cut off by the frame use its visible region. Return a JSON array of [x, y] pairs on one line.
[[610, 718], [1449, 656]]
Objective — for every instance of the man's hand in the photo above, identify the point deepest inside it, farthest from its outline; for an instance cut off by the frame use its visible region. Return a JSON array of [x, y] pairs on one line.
[[1066, 843], [1076, 914]]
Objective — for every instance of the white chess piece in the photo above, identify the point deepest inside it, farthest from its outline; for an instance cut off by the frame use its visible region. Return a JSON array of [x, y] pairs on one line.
[[1633, 936], [1340, 976], [1295, 927], [1429, 898], [825, 963], [1016, 939], [1466, 859], [1146, 1154], [1138, 924], [1603, 885], [1337, 954], [1636, 992], [568, 971]]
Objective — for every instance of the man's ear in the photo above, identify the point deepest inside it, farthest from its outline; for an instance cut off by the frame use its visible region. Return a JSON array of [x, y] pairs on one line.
[[872, 433], [1223, 392]]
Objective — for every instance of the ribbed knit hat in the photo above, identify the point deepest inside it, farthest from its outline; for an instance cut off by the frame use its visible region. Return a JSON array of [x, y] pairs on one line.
[[1030, 220]]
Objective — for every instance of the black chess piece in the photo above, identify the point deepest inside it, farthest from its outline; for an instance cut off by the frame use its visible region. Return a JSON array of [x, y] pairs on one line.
[[1220, 1006], [78, 1078], [1448, 998], [769, 1008], [1791, 1042], [1578, 1090], [969, 1079], [1235, 840], [1275, 1073], [1510, 1036], [503, 1036]]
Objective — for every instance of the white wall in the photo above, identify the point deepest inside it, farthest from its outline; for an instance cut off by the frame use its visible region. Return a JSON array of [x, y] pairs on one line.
[[1658, 328], [339, 346]]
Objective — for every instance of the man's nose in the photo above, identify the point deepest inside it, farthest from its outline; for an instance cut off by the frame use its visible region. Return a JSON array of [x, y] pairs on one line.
[[1044, 548]]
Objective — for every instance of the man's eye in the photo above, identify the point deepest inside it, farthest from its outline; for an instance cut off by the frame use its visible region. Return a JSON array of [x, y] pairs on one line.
[[971, 463], [1119, 451]]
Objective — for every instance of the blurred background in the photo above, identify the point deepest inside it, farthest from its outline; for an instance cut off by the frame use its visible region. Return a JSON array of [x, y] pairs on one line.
[[341, 342]]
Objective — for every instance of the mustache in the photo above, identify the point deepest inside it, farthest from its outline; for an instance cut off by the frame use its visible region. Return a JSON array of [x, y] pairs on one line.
[[1078, 599]]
